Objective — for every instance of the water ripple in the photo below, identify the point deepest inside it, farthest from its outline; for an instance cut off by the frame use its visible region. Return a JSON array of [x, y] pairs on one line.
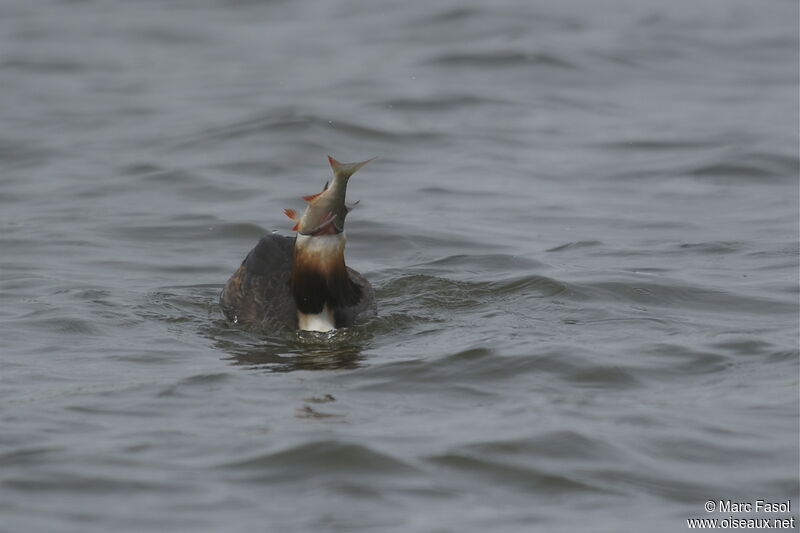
[[299, 122], [502, 59], [520, 478], [320, 459]]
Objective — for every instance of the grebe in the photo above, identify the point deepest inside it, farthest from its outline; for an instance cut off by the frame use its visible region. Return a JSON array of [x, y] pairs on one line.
[[302, 282]]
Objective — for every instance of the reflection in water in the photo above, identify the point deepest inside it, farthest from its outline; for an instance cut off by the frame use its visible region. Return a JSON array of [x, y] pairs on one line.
[[284, 359], [338, 350], [277, 352]]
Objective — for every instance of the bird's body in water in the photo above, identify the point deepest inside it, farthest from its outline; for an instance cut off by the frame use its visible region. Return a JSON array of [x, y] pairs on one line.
[[302, 282]]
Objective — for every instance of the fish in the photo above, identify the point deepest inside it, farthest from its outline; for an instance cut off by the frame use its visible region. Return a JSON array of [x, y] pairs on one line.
[[326, 210], [302, 282]]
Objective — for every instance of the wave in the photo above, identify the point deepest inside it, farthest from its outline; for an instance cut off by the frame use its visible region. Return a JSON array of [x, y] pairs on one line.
[[300, 122], [502, 59], [434, 103], [319, 459]]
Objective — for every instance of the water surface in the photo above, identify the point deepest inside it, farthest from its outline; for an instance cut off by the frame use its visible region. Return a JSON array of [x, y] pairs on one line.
[[582, 228]]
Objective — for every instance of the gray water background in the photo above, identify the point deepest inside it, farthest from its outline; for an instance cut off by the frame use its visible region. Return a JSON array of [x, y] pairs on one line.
[[582, 228]]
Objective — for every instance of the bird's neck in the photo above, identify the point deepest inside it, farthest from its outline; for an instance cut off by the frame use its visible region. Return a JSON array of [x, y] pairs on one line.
[[320, 281]]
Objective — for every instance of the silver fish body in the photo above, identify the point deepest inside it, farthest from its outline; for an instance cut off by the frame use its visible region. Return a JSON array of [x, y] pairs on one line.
[[326, 210]]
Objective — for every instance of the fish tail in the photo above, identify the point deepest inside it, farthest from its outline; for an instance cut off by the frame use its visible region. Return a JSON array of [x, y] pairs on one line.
[[345, 170]]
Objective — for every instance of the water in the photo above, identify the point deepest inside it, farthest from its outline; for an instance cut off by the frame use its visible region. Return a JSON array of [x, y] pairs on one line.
[[582, 228]]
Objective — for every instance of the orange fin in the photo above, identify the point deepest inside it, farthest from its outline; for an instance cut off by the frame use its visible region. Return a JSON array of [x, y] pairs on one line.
[[291, 213], [296, 227], [312, 197]]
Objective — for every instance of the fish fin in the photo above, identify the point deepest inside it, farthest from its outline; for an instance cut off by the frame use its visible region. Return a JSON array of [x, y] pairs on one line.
[[292, 214], [312, 197], [345, 170], [352, 206]]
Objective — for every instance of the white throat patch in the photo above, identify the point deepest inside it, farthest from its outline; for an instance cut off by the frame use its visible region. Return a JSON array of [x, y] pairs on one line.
[[322, 321], [321, 246]]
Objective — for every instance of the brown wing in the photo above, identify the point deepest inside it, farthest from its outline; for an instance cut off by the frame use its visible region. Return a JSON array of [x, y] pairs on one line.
[[258, 293], [363, 310]]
